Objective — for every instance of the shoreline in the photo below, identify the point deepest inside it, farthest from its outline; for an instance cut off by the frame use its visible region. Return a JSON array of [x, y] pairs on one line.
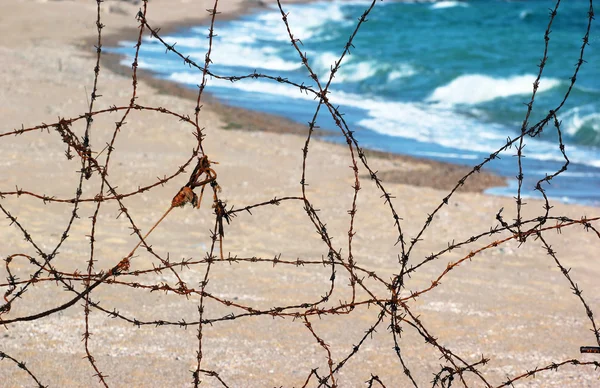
[[428, 173]]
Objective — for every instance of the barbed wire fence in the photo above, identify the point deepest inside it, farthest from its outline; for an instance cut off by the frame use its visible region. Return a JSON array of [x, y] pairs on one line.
[[395, 313]]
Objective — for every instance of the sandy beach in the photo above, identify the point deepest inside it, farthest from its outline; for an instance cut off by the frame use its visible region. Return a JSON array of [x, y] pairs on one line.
[[509, 303]]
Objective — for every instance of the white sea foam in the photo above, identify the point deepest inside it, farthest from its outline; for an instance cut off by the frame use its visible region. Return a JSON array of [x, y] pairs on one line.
[[238, 44], [323, 62], [355, 72], [579, 117], [432, 124], [439, 125], [155, 65], [402, 70], [580, 174], [418, 121], [573, 174], [256, 86], [512, 188], [524, 14], [187, 42], [350, 71], [478, 88], [248, 57], [228, 53], [576, 155], [448, 4], [447, 155], [303, 20]]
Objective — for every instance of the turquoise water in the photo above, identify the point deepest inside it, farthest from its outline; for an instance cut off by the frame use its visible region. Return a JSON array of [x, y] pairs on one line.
[[445, 81]]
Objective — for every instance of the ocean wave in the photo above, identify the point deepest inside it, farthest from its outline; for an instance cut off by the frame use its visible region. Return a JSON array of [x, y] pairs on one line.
[[446, 155], [439, 125], [304, 20], [228, 52], [234, 55], [448, 4], [430, 124], [478, 88], [247, 57], [323, 62], [575, 154], [512, 185], [573, 174], [255, 41], [582, 124], [357, 71], [418, 121], [254, 86], [194, 42], [525, 14], [402, 70]]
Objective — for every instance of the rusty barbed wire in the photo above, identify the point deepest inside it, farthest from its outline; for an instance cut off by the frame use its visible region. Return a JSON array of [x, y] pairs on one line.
[[23, 366], [394, 305]]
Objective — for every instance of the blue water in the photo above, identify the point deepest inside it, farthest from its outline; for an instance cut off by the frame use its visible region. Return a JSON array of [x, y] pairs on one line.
[[445, 81]]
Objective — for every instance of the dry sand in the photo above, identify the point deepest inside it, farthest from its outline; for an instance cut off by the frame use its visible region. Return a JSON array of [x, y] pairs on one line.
[[510, 303]]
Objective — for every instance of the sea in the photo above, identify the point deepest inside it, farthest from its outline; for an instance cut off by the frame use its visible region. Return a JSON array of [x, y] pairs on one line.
[[445, 80]]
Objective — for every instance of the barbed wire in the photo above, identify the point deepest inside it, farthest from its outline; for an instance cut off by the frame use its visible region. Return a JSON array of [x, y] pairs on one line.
[[393, 304]]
